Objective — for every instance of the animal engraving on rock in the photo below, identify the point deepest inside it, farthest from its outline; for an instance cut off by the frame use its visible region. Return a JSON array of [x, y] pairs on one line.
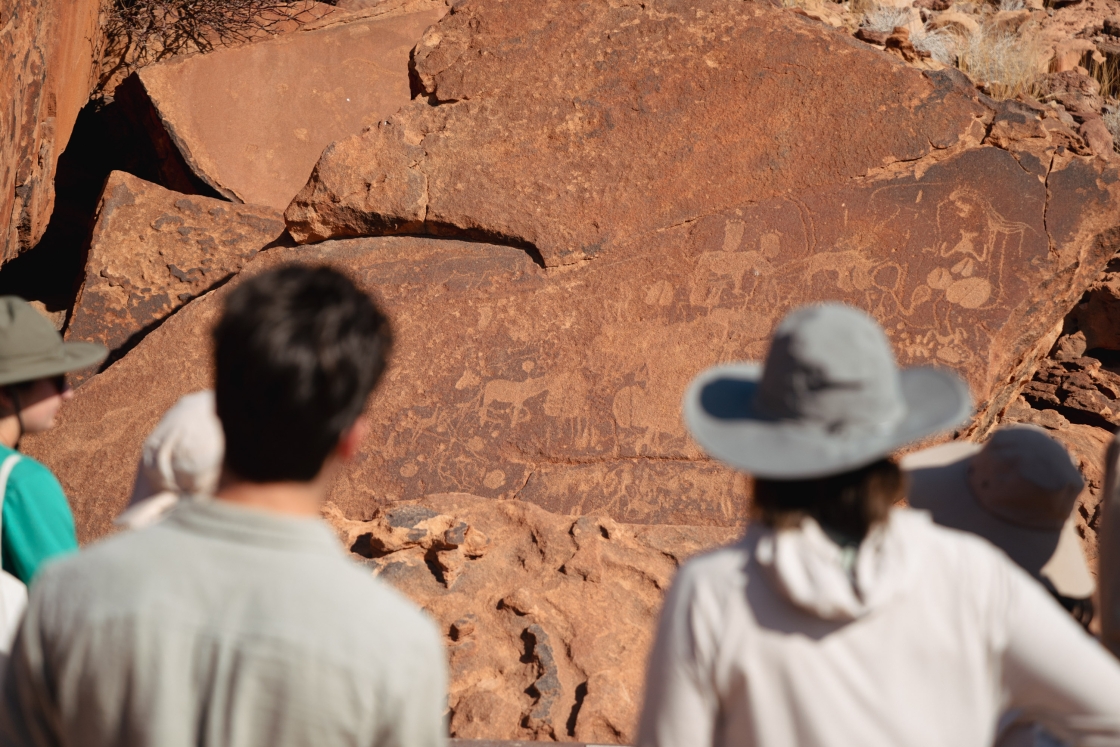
[[514, 393]]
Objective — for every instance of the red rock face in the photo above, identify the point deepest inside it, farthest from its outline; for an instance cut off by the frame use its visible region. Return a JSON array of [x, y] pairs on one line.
[[46, 73], [583, 129], [256, 137], [517, 378], [561, 387], [152, 250]]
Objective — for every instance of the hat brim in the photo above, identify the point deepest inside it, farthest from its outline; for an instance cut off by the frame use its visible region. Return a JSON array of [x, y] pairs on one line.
[[719, 412], [75, 356], [943, 490], [1067, 569]]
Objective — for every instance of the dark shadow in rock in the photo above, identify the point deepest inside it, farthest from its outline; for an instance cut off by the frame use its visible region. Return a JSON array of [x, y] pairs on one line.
[[581, 693], [51, 271]]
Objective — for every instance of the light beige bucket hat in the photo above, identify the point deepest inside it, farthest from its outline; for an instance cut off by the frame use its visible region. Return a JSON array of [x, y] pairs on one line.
[[1017, 491]]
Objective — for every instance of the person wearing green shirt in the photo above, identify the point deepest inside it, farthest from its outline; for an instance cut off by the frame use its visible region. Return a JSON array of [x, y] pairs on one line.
[[36, 521]]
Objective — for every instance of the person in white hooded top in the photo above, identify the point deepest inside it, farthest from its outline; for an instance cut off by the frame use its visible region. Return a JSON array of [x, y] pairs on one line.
[[1018, 491], [181, 459], [840, 619]]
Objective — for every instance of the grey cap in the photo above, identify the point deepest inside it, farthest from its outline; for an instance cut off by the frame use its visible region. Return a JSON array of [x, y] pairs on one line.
[[829, 399], [31, 348]]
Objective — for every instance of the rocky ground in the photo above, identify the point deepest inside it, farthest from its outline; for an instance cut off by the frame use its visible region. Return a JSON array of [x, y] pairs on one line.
[[568, 210], [1063, 54], [549, 618]]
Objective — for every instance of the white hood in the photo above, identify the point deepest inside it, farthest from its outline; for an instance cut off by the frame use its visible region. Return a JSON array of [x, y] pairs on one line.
[[809, 569]]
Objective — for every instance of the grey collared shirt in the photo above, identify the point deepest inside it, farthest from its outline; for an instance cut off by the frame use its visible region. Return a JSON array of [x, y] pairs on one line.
[[222, 626]]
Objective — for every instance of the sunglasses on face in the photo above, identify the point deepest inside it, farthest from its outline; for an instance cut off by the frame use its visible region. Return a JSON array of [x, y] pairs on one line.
[[61, 385]]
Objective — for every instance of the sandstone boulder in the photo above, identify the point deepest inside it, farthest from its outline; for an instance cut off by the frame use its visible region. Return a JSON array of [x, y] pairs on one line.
[[961, 24], [1080, 389], [153, 250], [516, 378], [578, 130], [494, 387], [386, 7], [1077, 92], [1009, 22], [256, 137], [126, 52], [819, 11], [47, 69], [561, 387], [549, 618], [1097, 135], [1069, 53]]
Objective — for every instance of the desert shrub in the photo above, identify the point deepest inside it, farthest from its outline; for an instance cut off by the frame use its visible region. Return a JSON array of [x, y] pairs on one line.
[[138, 32], [1012, 4], [885, 19], [1005, 64], [941, 44]]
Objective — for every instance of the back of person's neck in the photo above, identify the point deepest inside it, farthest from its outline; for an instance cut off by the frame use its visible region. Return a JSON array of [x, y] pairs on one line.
[[290, 498], [10, 431]]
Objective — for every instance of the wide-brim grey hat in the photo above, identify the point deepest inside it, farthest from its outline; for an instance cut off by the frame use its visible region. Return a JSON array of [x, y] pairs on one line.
[[1033, 523], [31, 348], [829, 399]]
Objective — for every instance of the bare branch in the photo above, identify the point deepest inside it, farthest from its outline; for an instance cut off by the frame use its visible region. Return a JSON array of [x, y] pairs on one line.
[[140, 32]]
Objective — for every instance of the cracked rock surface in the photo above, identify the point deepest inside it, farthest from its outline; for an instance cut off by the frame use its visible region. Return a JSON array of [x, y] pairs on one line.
[[47, 69], [255, 137], [967, 228], [581, 130], [746, 138], [561, 386], [548, 618], [153, 250]]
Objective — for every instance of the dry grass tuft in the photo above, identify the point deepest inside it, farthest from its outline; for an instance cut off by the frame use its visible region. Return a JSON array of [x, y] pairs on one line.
[[1004, 64], [941, 44], [1107, 73], [885, 19]]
